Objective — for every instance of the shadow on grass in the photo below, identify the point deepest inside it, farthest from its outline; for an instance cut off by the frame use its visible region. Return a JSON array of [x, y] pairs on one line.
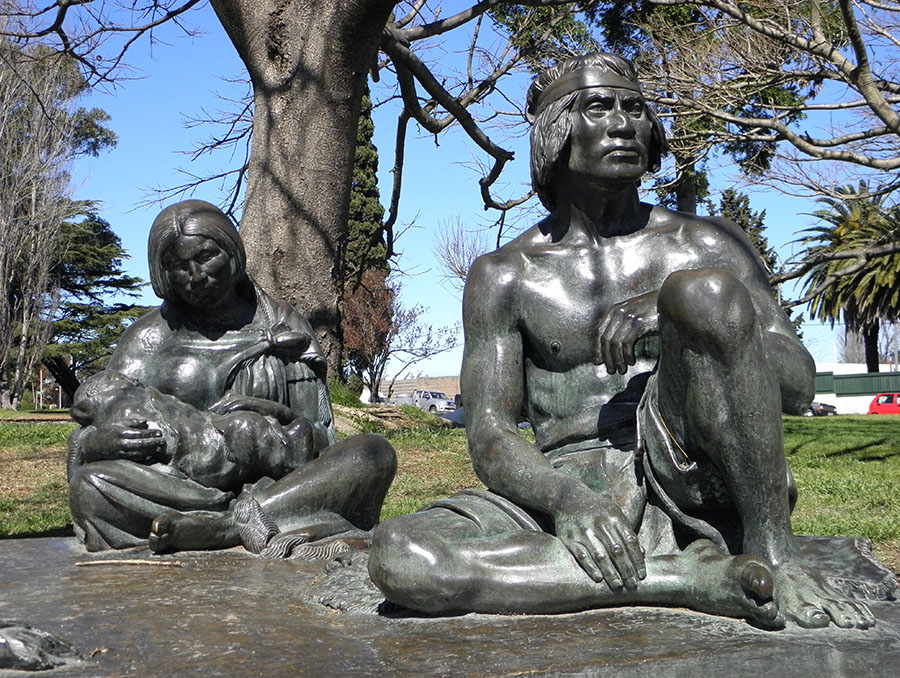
[[66, 531], [862, 448]]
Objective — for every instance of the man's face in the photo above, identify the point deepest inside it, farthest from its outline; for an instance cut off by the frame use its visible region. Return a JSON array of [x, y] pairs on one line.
[[610, 136]]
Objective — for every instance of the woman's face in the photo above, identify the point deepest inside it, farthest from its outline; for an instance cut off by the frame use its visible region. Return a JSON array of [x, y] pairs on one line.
[[200, 271]]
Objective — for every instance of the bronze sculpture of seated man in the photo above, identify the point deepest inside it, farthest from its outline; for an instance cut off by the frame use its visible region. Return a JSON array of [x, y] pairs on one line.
[[654, 365], [212, 424]]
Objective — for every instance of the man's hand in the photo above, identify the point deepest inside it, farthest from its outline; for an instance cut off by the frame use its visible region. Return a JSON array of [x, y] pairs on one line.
[[597, 534], [129, 439], [621, 327]]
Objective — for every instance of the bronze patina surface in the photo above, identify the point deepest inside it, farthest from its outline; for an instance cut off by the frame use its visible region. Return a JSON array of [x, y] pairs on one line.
[[228, 613]]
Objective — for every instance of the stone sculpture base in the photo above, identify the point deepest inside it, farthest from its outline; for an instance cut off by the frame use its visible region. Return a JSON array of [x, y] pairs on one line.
[[231, 614]]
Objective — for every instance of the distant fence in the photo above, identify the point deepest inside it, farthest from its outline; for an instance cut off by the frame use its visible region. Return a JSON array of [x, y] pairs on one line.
[[846, 385]]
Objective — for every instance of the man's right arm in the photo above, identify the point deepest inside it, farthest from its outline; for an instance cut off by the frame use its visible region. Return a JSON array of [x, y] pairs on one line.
[[591, 525], [493, 384]]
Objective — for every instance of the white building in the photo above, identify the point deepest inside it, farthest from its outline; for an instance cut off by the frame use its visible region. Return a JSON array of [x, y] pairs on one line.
[[850, 389]]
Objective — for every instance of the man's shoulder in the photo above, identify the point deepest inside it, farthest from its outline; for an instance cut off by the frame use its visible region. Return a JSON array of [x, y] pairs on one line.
[[510, 263], [709, 231], [494, 278], [721, 241], [665, 219], [507, 258]]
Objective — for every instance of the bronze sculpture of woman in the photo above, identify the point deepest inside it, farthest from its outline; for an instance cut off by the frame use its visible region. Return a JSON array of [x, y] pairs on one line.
[[212, 424]]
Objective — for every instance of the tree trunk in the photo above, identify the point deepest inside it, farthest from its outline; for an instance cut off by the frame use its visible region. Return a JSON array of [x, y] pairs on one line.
[[308, 61], [22, 371], [870, 341], [64, 375], [686, 189]]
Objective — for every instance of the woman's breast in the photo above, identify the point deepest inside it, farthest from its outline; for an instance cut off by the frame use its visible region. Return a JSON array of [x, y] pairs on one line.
[[188, 375]]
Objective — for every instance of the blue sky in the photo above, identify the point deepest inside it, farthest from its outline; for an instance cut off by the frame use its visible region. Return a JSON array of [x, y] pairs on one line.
[[180, 76]]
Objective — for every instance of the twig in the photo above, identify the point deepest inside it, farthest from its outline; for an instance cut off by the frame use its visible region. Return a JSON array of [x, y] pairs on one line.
[[153, 563]]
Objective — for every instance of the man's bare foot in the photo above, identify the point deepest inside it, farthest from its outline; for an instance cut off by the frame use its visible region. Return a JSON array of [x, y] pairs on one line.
[[734, 586], [804, 597], [194, 531]]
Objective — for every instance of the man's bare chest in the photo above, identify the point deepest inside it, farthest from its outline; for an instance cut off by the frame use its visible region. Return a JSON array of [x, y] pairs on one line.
[[567, 292]]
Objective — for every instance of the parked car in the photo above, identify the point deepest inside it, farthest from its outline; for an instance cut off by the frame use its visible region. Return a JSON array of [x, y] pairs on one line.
[[820, 410], [458, 419], [431, 401], [885, 403]]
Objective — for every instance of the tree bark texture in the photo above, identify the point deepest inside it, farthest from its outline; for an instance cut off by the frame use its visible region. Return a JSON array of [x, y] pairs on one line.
[[64, 375], [308, 61]]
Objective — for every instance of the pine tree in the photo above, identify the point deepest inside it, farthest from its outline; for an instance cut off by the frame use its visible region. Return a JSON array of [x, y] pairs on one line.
[[86, 326], [366, 248], [735, 207]]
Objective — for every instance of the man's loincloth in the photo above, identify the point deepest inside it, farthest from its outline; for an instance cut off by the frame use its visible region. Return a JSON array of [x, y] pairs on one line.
[[677, 481], [649, 474], [602, 467]]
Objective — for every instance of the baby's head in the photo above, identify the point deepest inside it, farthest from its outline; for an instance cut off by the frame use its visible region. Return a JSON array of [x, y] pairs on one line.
[[108, 397]]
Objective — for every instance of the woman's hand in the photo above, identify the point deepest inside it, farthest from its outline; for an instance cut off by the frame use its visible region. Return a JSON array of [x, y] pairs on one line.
[[233, 402], [293, 341], [129, 439]]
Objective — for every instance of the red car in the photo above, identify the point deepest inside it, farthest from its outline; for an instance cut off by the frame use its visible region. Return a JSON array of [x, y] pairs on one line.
[[885, 403]]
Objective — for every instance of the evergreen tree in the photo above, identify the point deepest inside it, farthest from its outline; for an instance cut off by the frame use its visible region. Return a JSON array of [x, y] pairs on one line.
[[41, 132], [367, 304], [366, 248], [735, 207], [86, 325]]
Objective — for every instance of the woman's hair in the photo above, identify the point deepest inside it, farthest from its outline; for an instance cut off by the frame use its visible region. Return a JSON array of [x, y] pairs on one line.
[[191, 217], [552, 126]]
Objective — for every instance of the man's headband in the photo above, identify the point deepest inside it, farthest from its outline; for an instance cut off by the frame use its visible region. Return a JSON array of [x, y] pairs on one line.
[[583, 78]]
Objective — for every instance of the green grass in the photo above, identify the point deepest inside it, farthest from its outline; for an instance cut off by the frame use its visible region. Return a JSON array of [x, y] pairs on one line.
[[342, 395], [33, 498], [431, 463], [847, 470], [24, 413], [28, 435]]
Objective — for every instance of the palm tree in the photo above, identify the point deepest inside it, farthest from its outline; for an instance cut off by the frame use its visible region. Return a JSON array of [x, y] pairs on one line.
[[856, 219]]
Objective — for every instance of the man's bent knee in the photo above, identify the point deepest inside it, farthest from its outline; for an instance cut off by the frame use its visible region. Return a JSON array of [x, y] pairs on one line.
[[411, 568], [708, 306]]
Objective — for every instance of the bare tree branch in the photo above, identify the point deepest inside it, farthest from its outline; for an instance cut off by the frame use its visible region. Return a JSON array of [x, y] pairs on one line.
[[738, 51], [92, 28]]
